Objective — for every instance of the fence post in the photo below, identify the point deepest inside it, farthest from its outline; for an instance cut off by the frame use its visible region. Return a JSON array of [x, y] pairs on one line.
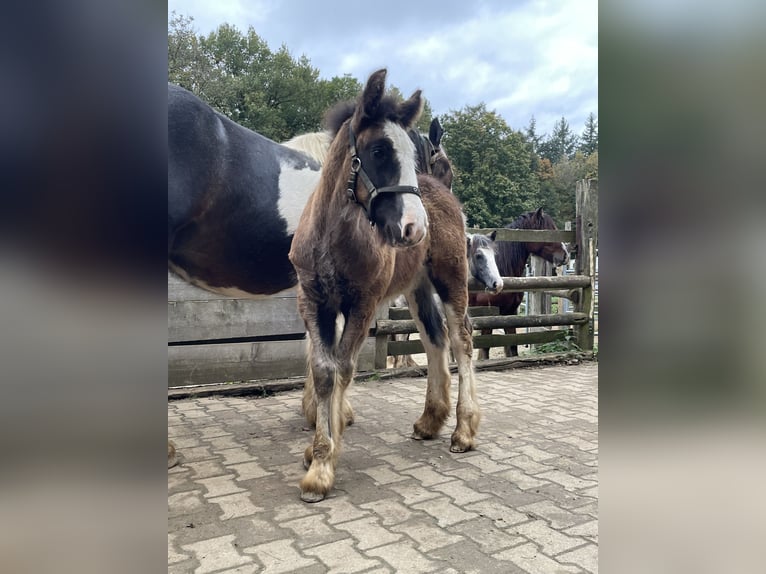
[[381, 341], [586, 230], [539, 302]]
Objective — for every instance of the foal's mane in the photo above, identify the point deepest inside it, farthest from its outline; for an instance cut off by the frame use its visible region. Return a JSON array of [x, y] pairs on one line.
[[388, 109]]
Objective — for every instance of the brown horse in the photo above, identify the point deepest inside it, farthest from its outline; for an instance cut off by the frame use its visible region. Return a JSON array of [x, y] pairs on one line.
[[511, 257], [362, 242]]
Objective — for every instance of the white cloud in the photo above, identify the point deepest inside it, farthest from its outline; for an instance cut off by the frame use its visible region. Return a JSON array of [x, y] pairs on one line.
[[522, 59]]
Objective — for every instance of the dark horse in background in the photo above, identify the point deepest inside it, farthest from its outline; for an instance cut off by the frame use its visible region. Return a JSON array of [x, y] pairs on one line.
[[374, 228], [511, 257]]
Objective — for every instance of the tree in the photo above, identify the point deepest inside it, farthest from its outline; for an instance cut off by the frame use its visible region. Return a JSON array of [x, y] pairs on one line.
[[589, 137], [561, 144], [532, 136], [492, 163]]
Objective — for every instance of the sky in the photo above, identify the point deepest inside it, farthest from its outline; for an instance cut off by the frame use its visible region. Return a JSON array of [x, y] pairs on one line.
[[522, 58]]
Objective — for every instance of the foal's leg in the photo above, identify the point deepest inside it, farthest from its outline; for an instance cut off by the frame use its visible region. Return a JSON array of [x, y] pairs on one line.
[[309, 402], [332, 369], [321, 456], [434, 337], [468, 414]]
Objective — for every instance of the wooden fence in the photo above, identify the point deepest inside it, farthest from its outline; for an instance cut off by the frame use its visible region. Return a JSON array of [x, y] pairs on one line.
[[218, 339]]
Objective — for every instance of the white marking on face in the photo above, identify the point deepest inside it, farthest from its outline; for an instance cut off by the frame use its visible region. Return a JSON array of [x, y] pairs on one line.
[[413, 213], [295, 188], [564, 247], [492, 270]]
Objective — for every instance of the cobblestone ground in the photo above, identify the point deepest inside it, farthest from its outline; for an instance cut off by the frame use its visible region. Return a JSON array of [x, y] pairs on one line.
[[524, 501]]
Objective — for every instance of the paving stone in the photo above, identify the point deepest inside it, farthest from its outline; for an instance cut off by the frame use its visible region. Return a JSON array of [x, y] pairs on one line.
[[368, 533], [341, 557], [312, 530], [278, 557], [586, 557], [389, 511], [236, 505], [587, 530], [216, 554], [525, 501], [532, 561], [219, 485], [558, 518], [550, 540], [383, 474], [444, 512], [568, 481], [405, 559], [487, 536], [426, 534]]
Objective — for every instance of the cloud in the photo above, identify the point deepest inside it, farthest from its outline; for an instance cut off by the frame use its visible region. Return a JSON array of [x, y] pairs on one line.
[[522, 58]]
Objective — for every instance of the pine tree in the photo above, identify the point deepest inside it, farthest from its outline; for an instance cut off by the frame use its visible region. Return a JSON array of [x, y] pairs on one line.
[[532, 136], [589, 138], [562, 143]]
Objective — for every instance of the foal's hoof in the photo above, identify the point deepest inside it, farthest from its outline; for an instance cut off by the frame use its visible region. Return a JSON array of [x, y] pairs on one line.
[[421, 432], [172, 457], [311, 496], [461, 445]]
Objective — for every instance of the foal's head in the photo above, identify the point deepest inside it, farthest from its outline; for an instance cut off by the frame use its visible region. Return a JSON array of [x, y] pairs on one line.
[[380, 170], [431, 157], [481, 261]]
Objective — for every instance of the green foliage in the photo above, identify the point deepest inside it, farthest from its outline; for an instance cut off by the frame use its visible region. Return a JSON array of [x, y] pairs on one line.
[[565, 345], [493, 166], [561, 144]]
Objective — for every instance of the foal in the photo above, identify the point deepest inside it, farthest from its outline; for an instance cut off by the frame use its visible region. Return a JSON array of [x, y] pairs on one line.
[[361, 242]]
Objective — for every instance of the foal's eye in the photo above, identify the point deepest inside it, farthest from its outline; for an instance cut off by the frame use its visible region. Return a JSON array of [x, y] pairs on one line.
[[377, 153]]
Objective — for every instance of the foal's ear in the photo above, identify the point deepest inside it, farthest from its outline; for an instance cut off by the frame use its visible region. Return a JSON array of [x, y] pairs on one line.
[[468, 239], [410, 110], [493, 235], [539, 212], [373, 93], [435, 132]]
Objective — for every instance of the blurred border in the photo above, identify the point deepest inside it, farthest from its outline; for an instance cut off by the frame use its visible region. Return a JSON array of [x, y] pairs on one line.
[[682, 278], [83, 329]]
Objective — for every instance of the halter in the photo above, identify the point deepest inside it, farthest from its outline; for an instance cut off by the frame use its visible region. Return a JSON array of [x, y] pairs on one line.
[[358, 170], [427, 149]]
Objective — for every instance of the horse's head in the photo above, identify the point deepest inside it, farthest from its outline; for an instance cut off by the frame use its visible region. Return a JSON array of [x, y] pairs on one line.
[[556, 253], [380, 166], [431, 157], [481, 261]]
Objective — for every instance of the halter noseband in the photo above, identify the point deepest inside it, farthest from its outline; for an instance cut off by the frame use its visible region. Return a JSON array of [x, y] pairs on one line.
[[358, 170]]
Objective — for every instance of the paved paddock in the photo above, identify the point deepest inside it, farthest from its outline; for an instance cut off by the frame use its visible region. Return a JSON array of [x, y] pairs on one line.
[[525, 501]]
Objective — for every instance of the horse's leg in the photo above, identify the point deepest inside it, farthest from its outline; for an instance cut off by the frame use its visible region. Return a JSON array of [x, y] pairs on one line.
[[484, 351], [309, 402], [433, 334], [332, 373], [511, 350], [468, 413]]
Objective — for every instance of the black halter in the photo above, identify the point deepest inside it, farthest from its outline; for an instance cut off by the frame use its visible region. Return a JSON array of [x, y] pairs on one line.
[[358, 170]]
